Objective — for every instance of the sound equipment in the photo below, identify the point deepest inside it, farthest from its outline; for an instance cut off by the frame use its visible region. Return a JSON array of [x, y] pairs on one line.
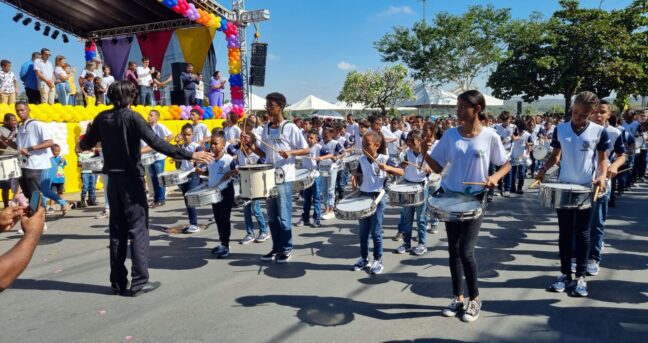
[[258, 63], [177, 68], [519, 108]]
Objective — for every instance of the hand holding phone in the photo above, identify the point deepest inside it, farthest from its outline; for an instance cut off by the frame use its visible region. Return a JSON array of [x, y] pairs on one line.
[[35, 202]]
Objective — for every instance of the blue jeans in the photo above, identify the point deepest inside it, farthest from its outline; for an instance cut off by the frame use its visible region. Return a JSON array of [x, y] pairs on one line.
[[407, 219], [506, 182], [597, 231], [144, 92], [62, 93], [279, 213], [159, 192], [517, 174], [373, 225], [46, 189], [89, 186], [72, 99], [328, 189], [194, 181], [254, 207], [626, 178], [312, 198], [342, 181]]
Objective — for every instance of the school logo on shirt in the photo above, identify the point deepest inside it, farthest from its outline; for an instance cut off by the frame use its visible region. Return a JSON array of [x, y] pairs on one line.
[[480, 153], [587, 145]]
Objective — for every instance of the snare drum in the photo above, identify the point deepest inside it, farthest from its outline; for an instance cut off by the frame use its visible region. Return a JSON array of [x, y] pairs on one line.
[[203, 196], [355, 208], [148, 158], [9, 167], [539, 152], [455, 207], [173, 178], [406, 194], [326, 169], [257, 181], [94, 163], [434, 182], [304, 178], [565, 196], [351, 162]]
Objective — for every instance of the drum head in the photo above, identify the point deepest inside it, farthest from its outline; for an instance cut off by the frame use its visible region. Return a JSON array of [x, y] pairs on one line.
[[405, 187], [354, 204], [455, 203], [566, 186], [539, 152], [256, 167], [200, 189]]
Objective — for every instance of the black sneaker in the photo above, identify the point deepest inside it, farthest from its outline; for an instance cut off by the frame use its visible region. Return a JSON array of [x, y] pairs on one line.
[[92, 203], [284, 257], [454, 308], [269, 256]]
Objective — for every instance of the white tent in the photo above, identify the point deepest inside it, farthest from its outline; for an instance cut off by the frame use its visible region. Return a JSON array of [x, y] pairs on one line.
[[356, 106], [257, 103], [428, 96], [493, 101], [312, 103]]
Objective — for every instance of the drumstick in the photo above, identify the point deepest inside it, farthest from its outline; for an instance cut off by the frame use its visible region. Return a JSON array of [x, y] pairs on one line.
[[269, 146], [380, 196], [534, 184], [411, 164], [369, 155], [624, 170], [475, 183], [596, 193]]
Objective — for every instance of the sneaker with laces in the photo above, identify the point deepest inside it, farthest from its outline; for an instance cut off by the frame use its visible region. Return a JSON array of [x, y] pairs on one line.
[[581, 287], [420, 250], [398, 237], [472, 311], [315, 224], [191, 229], [328, 216], [376, 267], [247, 239], [221, 251], [593, 267], [455, 307], [506, 194], [573, 265], [300, 223], [104, 214], [360, 264], [49, 211], [403, 248], [263, 236], [560, 284], [284, 257], [269, 256]]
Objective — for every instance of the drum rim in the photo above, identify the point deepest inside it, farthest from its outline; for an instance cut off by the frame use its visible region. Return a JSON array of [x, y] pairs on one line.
[[257, 167]]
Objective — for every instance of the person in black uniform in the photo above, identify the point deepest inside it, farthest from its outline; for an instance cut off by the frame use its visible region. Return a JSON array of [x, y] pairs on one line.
[[120, 130]]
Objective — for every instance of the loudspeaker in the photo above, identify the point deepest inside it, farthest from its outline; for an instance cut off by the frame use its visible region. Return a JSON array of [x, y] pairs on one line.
[[177, 97], [177, 69], [257, 76], [519, 108], [259, 53]]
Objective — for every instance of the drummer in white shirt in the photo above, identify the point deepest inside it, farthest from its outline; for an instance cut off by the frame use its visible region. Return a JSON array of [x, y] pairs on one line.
[[287, 142], [377, 126], [580, 145], [157, 168], [363, 126], [468, 150], [506, 130], [519, 153], [232, 131]]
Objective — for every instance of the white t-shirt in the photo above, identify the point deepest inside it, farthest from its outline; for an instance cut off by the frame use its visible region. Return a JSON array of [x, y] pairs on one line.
[[258, 131], [388, 134], [163, 132], [290, 139], [200, 90], [107, 81], [85, 72], [616, 143], [468, 158], [414, 174], [352, 128], [373, 178], [32, 133], [315, 151], [46, 69], [578, 158], [186, 164], [200, 132], [144, 77], [232, 133], [519, 150], [357, 142], [217, 169], [333, 147], [7, 82], [506, 133], [393, 148], [59, 74]]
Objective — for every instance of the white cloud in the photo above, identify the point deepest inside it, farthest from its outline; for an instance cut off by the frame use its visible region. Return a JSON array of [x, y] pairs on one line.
[[394, 10], [346, 66]]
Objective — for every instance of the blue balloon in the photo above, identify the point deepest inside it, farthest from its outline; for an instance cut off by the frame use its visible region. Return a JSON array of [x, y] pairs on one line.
[[223, 24]]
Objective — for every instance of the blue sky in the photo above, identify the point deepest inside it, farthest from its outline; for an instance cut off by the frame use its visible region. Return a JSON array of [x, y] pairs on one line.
[[313, 44]]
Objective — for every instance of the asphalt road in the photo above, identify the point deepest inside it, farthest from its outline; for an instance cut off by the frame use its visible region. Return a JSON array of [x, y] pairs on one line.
[[63, 294]]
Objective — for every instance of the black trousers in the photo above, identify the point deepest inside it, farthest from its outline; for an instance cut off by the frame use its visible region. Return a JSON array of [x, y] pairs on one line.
[[222, 213], [462, 237], [128, 220], [639, 169], [30, 181], [574, 229], [33, 96]]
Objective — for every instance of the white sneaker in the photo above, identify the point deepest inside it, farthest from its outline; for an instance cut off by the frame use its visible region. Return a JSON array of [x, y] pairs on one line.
[[191, 229], [472, 311], [376, 267], [420, 250], [104, 214], [592, 267], [560, 284], [328, 216], [506, 194], [581, 287]]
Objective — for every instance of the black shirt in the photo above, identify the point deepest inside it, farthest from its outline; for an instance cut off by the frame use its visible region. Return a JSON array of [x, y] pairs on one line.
[[120, 132]]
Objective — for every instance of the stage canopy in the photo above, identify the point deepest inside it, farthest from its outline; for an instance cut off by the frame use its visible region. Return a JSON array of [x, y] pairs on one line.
[[109, 18]]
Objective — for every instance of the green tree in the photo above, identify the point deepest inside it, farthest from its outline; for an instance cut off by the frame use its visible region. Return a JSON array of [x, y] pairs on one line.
[[452, 48], [377, 88], [576, 49]]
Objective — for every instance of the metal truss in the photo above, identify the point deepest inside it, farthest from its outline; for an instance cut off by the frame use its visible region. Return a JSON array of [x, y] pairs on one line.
[[143, 28], [45, 17]]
